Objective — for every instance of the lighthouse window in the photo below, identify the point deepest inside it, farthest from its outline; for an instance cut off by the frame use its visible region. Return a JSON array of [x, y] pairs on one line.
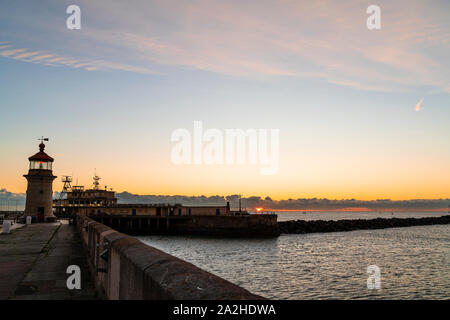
[[41, 191], [40, 165]]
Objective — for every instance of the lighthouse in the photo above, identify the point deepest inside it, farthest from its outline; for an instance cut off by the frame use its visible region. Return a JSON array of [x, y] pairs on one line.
[[40, 190]]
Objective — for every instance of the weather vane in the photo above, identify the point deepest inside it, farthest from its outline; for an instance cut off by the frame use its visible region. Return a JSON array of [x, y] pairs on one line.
[[43, 139]]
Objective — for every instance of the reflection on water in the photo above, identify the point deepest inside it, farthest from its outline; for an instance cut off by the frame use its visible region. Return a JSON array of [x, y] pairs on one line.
[[414, 262]]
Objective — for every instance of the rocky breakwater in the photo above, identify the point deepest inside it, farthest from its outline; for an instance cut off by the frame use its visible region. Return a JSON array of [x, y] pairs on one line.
[[302, 226]]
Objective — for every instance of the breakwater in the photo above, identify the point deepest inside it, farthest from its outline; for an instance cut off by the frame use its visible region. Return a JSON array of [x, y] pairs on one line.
[[125, 268], [302, 226]]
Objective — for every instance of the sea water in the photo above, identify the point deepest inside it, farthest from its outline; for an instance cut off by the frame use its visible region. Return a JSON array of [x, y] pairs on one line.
[[414, 261]]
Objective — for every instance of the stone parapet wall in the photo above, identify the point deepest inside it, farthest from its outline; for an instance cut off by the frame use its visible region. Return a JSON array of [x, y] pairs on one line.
[[125, 268]]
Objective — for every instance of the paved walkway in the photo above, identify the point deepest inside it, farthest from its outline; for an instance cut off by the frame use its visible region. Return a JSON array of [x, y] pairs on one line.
[[34, 259]]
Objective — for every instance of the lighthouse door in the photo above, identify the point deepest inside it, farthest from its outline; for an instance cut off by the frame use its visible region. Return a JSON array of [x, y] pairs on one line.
[[40, 216]]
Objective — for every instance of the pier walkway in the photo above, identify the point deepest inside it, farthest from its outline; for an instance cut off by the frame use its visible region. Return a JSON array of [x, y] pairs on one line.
[[34, 260]]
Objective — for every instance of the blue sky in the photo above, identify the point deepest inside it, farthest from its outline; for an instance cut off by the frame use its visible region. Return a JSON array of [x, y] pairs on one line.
[[109, 95]]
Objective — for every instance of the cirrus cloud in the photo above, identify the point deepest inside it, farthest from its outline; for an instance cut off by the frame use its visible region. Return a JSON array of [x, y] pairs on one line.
[[325, 40]]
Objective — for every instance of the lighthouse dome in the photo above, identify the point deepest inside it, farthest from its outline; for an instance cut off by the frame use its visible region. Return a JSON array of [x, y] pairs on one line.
[[41, 160]]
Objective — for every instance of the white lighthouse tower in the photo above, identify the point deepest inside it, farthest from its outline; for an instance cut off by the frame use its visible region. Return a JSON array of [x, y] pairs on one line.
[[40, 186]]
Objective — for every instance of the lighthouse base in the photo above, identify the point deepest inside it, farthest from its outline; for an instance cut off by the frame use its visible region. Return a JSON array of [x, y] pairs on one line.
[[39, 195]]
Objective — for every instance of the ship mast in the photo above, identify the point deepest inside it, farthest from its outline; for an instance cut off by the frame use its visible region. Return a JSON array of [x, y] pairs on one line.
[[96, 181]]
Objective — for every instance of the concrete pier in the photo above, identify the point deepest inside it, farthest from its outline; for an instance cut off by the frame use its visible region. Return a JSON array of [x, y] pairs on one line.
[[34, 260], [247, 226]]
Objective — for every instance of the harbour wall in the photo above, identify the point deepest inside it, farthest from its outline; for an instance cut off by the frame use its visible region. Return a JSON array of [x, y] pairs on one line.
[[212, 226], [125, 268], [302, 226]]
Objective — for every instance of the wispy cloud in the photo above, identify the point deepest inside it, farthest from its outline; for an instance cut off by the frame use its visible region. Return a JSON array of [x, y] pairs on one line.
[[8, 53], [43, 57], [50, 59], [326, 40], [27, 54], [419, 105], [323, 39]]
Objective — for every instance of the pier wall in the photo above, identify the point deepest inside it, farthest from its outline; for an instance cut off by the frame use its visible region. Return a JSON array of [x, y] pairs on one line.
[[127, 269], [215, 226]]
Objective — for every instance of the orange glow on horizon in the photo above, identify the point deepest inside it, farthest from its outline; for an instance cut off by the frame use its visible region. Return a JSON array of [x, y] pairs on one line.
[[369, 178], [360, 210]]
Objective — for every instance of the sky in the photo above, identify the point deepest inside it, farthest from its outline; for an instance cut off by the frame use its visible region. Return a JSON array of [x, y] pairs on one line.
[[361, 113]]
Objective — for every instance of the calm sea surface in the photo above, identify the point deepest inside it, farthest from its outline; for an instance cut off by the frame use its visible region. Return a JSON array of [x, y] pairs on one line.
[[414, 261]]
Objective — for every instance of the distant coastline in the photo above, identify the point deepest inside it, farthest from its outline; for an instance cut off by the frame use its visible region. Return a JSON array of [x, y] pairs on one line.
[[10, 200]]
